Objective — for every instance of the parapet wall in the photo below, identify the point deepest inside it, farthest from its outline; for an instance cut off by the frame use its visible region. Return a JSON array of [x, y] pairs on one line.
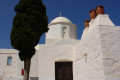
[[100, 20], [110, 45], [97, 55], [88, 64]]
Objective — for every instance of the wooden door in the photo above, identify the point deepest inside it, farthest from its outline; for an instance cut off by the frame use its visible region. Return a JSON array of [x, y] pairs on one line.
[[63, 71]]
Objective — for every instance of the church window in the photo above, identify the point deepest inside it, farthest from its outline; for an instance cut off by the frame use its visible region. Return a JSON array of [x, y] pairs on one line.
[[64, 32], [9, 61]]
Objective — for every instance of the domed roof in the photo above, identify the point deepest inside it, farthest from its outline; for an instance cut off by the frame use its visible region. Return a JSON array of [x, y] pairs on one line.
[[60, 20]]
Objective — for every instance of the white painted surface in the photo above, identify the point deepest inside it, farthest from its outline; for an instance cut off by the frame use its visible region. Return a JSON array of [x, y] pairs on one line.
[[60, 28], [48, 55], [110, 44], [60, 20], [13, 70], [88, 63], [67, 42], [103, 20], [34, 65], [95, 57], [55, 32]]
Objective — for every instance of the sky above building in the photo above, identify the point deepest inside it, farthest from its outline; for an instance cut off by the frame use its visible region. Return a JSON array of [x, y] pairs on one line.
[[75, 10]]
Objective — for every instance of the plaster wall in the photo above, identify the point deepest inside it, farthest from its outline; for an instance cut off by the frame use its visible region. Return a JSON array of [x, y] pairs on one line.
[[48, 55], [13, 70], [88, 64], [34, 65], [67, 42], [51, 41], [73, 33], [103, 20], [110, 44], [54, 32]]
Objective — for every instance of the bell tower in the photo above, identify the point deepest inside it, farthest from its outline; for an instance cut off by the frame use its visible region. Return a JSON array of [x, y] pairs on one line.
[[60, 28]]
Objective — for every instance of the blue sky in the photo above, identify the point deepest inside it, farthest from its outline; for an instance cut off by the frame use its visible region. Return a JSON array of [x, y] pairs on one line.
[[75, 10]]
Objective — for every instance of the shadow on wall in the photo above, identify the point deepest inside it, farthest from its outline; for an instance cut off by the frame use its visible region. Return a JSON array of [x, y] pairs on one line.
[[12, 78], [1, 78], [1, 75]]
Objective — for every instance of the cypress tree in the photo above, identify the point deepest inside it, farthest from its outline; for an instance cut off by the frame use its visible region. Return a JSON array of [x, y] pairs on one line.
[[29, 23]]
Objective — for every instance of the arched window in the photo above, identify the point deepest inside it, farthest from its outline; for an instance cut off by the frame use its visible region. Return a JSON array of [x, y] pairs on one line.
[[64, 32], [9, 61]]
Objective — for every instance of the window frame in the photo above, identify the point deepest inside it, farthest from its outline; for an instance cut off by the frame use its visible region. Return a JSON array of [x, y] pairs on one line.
[[9, 60]]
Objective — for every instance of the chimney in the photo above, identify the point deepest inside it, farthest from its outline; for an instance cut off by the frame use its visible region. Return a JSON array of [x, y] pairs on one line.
[[100, 9], [92, 14], [86, 23]]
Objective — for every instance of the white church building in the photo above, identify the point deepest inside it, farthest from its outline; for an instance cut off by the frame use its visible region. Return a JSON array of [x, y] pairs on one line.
[[63, 57]]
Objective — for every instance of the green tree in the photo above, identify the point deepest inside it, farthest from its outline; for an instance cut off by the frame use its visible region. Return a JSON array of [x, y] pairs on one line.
[[29, 23]]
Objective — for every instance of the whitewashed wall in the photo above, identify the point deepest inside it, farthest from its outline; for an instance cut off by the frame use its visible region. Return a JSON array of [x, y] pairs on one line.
[[48, 55], [97, 56], [73, 32], [14, 70], [110, 44], [55, 32], [34, 65], [88, 64]]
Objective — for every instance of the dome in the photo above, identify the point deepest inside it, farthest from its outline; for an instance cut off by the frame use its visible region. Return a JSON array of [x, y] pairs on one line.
[[60, 20]]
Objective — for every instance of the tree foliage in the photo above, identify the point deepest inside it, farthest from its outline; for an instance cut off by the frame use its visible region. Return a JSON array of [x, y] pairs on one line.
[[29, 23]]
